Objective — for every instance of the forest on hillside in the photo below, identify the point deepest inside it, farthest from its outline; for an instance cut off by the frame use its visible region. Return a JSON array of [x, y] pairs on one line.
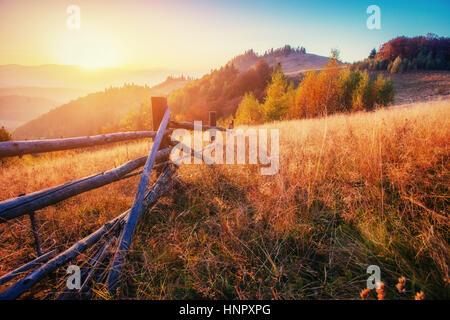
[[263, 94], [85, 116], [403, 54], [320, 93], [220, 91], [246, 60]]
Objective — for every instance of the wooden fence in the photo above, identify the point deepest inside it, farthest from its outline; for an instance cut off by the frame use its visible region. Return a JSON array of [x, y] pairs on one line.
[[112, 241]]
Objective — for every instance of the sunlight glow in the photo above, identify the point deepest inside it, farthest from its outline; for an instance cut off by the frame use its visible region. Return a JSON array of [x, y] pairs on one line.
[[88, 50]]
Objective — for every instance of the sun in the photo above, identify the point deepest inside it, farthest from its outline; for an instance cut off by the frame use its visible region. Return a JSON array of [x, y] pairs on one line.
[[89, 51]]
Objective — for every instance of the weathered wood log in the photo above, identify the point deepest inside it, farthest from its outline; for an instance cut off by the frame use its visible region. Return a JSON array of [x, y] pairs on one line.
[[71, 294], [35, 233], [111, 227], [34, 263], [138, 206], [190, 126], [161, 165], [195, 154], [89, 269], [153, 194], [17, 289], [160, 187], [105, 250], [18, 148], [13, 208]]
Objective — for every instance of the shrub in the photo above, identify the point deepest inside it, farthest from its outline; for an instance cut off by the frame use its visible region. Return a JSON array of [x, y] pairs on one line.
[[138, 119], [364, 95], [384, 91], [349, 82], [339, 90], [4, 134]]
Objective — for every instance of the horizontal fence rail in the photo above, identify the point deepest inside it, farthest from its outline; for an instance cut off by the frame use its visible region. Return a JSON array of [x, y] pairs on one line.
[[41, 259], [19, 206], [190, 126], [19, 148]]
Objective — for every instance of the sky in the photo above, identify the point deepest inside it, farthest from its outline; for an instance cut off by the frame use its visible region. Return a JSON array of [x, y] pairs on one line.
[[200, 35]]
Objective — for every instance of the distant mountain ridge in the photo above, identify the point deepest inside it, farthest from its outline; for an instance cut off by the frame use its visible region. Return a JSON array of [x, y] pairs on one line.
[[76, 77]]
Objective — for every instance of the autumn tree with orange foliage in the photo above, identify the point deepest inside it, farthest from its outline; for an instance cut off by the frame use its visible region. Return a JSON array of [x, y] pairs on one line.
[[334, 89], [222, 90], [337, 89]]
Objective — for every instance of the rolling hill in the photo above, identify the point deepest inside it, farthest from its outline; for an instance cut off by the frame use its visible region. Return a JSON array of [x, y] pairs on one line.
[[292, 60], [223, 89], [89, 115]]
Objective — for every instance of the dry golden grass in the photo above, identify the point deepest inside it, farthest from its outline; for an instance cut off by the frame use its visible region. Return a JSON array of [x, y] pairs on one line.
[[353, 190]]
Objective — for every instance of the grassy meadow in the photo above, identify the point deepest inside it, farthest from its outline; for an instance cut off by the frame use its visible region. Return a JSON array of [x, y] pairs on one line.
[[369, 188]]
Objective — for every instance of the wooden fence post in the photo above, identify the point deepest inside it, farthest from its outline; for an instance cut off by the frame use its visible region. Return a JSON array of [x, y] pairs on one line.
[[212, 121], [35, 233], [212, 118], [159, 106]]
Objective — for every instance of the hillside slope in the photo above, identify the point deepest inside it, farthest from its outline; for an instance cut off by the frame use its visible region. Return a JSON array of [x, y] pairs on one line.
[[90, 114], [223, 89], [419, 85]]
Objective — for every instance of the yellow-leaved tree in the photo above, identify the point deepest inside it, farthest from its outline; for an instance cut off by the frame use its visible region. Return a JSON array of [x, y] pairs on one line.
[[4, 134], [276, 102], [364, 95], [249, 111]]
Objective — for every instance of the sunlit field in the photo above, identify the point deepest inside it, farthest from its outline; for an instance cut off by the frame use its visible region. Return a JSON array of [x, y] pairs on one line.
[[352, 191]]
